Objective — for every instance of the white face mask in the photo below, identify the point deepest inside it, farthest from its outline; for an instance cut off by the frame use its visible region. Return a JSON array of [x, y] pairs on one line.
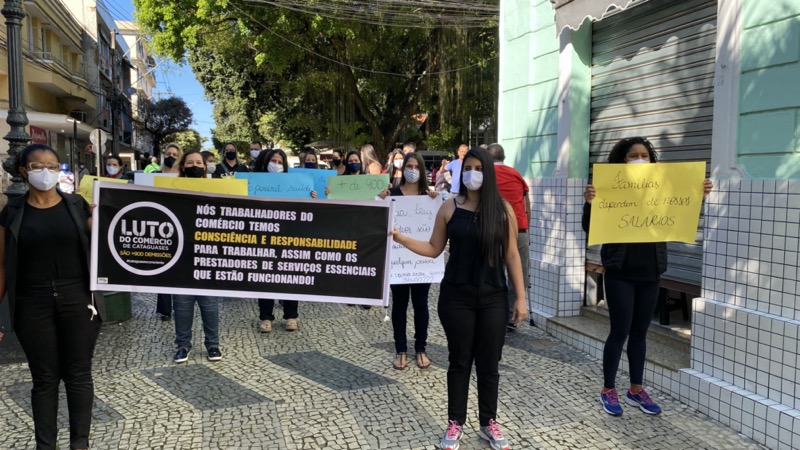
[[43, 180], [254, 153], [273, 167], [112, 170], [211, 167], [638, 161], [398, 164], [472, 179], [412, 175]]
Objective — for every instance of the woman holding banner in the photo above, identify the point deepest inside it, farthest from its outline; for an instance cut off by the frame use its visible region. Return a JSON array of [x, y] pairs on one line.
[[414, 182], [193, 165], [473, 300], [44, 269], [631, 280]]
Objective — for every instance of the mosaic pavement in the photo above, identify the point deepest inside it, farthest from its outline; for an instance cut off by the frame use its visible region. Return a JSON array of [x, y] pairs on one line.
[[331, 385]]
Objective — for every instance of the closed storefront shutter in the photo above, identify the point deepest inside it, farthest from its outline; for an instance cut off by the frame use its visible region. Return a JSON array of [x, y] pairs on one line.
[[653, 76]]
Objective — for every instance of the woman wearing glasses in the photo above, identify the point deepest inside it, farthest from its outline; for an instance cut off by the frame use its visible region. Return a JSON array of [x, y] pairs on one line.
[[44, 269]]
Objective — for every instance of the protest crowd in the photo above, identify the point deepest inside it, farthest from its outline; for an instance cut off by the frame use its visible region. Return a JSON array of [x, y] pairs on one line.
[[197, 215]]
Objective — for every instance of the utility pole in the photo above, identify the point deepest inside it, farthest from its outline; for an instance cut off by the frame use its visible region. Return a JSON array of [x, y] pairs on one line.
[[114, 136], [17, 119]]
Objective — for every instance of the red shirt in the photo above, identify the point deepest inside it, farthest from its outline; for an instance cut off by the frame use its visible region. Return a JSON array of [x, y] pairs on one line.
[[513, 189]]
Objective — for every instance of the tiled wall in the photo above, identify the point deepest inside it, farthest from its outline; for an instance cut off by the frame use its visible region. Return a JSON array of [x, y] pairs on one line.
[[557, 246]]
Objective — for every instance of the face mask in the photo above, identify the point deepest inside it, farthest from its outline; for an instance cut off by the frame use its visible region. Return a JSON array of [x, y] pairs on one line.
[[273, 167], [43, 180], [212, 167], [354, 167], [472, 179], [169, 161], [412, 175], [336, 162], [194, 172], [311, 165], [398, 164], [231, 155], [254, 153], [638, 161], [111, 170]]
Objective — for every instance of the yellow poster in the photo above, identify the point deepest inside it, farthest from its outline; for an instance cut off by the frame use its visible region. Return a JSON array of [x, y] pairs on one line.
[[646, 202], [230, 186], [86, 188]]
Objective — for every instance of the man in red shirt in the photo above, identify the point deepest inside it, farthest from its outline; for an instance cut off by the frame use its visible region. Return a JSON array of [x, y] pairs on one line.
[[514, 190]]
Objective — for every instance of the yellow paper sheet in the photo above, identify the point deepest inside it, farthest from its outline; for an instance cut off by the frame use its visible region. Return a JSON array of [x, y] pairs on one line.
[[228, 186], [86, 188], [646, 202]]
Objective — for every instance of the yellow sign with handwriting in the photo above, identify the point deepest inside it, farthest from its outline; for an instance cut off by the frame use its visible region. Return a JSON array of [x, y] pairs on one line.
[[230, 186], [646, 202], [86, 188]]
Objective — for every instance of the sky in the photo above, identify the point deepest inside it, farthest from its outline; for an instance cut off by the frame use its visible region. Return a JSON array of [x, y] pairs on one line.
[[174, 79]]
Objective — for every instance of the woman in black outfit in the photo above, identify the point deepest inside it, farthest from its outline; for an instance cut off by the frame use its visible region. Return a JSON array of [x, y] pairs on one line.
[[413, 182], [44, 268], [631, 280], [473, 299]]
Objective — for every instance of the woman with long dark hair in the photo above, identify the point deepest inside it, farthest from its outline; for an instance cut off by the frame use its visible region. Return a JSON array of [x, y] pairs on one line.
[[44, 269], [395, 166], [473, 298], [631, 280], [413, 182], [338, 161]]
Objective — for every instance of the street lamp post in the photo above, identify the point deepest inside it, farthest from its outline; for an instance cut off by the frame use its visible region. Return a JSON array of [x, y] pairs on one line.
[[17, 119]]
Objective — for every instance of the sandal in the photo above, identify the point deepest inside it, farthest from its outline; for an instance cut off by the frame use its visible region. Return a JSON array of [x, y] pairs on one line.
[[422, 360], [400, 361]]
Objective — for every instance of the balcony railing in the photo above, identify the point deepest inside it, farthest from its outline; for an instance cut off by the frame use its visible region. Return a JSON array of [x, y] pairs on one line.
[[47, 58]]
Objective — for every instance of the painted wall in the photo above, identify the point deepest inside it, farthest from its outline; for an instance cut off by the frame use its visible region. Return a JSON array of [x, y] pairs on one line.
[[528, 112], [769, 121]]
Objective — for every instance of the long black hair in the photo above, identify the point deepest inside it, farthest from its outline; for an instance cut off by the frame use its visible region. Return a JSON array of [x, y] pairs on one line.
[[491, 207], [621, 149], [262, 162], [423, 177], [346, 161]]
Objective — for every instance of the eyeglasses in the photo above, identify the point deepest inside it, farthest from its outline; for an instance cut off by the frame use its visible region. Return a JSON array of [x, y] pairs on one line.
[[37, 166]]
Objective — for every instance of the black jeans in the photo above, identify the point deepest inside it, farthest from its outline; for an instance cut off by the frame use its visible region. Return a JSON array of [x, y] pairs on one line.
[[164, 304], [265, 307], [631, 305], [474, 319], [58, 335], [419, 299]]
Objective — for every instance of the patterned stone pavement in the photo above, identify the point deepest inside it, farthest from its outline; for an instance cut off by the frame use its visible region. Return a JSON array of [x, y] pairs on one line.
[[331, 385]]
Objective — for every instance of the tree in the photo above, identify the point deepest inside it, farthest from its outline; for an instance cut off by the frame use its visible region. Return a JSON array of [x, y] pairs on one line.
[[188, 140], [162, 118]]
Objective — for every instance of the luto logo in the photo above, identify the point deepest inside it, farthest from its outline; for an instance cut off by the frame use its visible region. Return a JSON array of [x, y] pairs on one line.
[[146, 238]]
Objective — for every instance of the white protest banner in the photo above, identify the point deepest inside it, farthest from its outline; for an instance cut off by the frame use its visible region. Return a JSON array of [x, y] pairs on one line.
[[414, 216]]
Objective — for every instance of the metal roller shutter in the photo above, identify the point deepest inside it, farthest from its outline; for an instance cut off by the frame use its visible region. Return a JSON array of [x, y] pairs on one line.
[[653, 76]]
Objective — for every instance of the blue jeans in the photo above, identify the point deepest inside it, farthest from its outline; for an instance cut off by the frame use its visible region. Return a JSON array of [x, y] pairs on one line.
[[183, 310]]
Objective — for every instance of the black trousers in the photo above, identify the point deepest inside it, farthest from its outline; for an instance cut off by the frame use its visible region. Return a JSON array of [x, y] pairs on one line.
[[266, 306], [631, 305], [474, 319], [419, 299], [58, 334], [164, 304]]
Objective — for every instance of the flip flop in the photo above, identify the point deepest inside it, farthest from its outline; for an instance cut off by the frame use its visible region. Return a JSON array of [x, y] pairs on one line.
[[400, 361], [420, 364]]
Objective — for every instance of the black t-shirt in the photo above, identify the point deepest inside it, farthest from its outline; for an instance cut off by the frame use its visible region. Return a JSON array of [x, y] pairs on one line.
[[223, 169], [639, 263], [49, 246]]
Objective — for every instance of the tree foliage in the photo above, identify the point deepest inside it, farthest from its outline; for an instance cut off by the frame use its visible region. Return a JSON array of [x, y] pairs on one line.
[[287, 76], [162, 118], [188, 140]]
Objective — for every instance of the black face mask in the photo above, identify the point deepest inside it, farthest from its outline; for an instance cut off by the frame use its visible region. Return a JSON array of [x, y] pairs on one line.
[[169, 161], [230, 155], [336, 162], [194, 172]]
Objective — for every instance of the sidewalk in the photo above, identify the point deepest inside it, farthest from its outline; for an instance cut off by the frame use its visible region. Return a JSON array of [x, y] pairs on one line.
[[331, 385]]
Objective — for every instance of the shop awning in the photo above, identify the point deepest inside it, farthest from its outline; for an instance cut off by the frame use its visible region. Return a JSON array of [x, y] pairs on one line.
[[59, 123], [572, 13]]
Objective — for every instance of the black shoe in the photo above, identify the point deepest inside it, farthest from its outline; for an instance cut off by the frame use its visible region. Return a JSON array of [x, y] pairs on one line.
[[182, 355], [165, 318], [214, 354]]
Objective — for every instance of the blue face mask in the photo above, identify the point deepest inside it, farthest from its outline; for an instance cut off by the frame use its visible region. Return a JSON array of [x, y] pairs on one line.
[[354, 167], [310, 165]]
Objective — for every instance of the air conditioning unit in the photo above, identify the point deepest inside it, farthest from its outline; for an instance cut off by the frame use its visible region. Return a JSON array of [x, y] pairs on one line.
[[78, 115]]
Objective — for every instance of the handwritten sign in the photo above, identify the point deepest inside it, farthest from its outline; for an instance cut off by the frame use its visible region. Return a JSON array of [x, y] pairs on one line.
[[277, 185], [414, 216], [86, 188], [230, 186], [357, 187], [146, 179], [320, 178], [646, 202]]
